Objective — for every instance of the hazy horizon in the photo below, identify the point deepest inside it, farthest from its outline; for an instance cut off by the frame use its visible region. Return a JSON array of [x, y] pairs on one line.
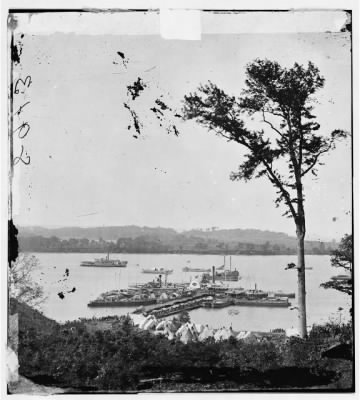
[[315, 238]]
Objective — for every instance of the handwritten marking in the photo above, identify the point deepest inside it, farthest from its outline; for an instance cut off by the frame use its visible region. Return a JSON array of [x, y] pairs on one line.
[[21, 128], [20, 158], [22, 131], [26, 83], [19, 111]]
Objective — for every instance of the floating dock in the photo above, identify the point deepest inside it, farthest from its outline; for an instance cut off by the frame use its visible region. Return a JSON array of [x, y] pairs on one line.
[[174, 307], [264, 302]]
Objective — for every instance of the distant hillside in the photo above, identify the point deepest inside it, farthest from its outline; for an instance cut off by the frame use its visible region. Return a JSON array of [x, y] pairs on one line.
[[254, 236], [95, 233], [134, 239]]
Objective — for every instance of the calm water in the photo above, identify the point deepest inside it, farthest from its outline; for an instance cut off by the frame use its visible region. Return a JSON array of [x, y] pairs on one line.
[[265, 271]]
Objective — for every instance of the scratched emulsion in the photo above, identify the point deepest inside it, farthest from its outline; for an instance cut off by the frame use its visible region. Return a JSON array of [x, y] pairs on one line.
[[134, 91], [136, 122], [13, 244], [16, 50], [63, 282], [124, 60]]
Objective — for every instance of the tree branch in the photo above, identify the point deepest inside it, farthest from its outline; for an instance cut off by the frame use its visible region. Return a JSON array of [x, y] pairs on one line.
[[312, 165], [271, 125]]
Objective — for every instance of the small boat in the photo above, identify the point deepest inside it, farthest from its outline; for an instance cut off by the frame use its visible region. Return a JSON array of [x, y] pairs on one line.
[[189, 269], [255, 294], [341, 277], [218, 303], [222, 267], [293, 266], [158, 271], [104, 262], [280, 293]]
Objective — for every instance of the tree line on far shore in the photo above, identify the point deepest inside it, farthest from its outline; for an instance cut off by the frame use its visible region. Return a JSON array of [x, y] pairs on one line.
[[179, 244]]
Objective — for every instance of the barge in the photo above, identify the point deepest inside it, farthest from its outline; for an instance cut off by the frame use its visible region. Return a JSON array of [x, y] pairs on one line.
[[174, 306], [263, 302], [217, 303], [121, 303]]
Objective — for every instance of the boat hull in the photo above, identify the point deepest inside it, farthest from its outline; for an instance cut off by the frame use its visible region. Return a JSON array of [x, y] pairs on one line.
[[217, 304], [196, 269], [167, 272], [129, 303], [341, 278], [261, 303], [101, 264], [288, 295]]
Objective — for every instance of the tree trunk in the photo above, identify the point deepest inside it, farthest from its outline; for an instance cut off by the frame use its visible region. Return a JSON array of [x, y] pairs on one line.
[[300, 232]]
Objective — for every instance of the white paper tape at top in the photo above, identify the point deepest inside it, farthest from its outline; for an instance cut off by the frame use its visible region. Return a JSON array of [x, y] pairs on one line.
[[180, 24]]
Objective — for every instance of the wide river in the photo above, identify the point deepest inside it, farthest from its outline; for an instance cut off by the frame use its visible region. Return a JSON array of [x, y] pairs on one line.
[[267, 272]]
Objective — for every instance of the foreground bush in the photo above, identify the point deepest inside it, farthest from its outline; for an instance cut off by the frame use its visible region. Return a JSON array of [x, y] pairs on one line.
[[121, 358]]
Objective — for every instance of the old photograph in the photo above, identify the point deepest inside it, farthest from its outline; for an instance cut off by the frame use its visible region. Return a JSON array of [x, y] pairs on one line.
[[180, 201]]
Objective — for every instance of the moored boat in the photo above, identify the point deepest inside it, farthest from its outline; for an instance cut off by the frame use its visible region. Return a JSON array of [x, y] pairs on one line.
[[293, 266], [158, 271], [121, 302], [104, 262], [280, 293], [225, 276], [217, 303], [255, 294], [189, 269], [263, 302], [341, 277]]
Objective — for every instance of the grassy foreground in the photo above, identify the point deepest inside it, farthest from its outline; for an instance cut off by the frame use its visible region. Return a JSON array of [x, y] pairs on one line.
[[110, 354]]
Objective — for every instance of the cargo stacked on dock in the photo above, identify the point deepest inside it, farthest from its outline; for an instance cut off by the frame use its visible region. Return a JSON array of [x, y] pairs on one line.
[[163, 299]]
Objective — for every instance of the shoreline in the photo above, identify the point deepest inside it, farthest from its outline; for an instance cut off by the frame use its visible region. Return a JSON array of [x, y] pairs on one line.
[[173, 253]]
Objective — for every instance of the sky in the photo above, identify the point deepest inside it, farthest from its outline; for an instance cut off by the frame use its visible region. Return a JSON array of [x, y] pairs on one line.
[[88, 169]]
